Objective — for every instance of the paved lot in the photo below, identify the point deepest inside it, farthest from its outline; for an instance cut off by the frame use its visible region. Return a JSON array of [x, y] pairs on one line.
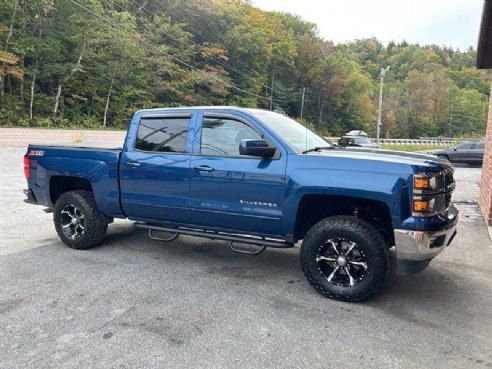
[[135, 303]]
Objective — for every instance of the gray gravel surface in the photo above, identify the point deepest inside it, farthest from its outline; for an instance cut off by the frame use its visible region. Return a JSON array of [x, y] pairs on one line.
[[193, 303]]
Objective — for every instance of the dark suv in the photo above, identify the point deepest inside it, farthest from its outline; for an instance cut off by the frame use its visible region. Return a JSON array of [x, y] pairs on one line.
[[357, 141], [466, 153]]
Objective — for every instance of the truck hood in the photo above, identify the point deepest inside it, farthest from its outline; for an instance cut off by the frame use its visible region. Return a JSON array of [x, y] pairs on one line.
[[390, 156]]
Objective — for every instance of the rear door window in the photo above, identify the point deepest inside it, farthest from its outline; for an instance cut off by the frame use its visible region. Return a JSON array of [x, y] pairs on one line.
[[163, 134]]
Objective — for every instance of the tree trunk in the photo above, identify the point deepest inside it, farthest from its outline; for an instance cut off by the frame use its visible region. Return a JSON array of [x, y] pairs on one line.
[[92, 99], [21, 87], [107, 103], [66, 79], [57, 100], [6, 49], [61, 109], [31, 102], [9, 84]]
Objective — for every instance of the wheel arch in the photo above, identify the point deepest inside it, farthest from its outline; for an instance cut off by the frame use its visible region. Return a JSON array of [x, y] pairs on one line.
[[315, 207], [61, 184]]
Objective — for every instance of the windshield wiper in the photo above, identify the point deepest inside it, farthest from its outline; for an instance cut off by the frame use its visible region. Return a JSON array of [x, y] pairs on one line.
[[319, 148]]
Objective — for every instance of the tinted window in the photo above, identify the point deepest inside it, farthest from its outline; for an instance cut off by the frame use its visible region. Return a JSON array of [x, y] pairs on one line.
[[465, 146], [221, 137], [362, 141], [480, 146], [162, 134]]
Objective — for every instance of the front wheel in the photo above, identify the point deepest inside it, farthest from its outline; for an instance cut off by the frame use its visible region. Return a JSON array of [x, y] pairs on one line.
[[345, 258], [77, 220]]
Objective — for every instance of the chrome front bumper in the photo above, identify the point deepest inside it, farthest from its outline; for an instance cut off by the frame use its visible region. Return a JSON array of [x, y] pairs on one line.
[[415, 249]]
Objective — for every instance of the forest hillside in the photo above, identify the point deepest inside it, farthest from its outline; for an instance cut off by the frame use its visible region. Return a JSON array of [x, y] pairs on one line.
[[93, 63]]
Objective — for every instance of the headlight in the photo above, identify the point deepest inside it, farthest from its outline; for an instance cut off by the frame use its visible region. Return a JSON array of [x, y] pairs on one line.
[[427, 206], [420, 182], [432, 192], [433, 183]]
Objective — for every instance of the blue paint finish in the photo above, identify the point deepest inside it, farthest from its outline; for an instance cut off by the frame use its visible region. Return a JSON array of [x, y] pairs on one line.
[[242, 194], [245, 194], [99, 167], [159, 188]]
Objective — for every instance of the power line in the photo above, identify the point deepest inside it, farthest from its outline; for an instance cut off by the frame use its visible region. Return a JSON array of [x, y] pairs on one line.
[[221, 62], [142, 40], [204, 30]]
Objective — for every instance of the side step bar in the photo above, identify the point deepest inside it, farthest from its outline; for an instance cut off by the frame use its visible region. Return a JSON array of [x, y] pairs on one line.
[[213, 235]]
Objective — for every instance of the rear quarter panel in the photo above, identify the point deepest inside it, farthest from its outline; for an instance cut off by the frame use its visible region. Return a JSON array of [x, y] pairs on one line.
[[98, 166]]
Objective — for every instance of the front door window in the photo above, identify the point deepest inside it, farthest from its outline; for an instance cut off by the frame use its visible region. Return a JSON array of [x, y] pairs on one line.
[[221, 136]]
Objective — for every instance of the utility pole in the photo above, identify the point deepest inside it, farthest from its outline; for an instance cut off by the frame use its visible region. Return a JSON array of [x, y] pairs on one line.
[[302, 100], [378, 128], [271, 92], [450, 125]]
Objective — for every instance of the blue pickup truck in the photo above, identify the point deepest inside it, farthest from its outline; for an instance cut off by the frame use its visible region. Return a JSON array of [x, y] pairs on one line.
[[257, 179]]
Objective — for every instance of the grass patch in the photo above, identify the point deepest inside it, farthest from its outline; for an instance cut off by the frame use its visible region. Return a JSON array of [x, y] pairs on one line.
[[412, 148]]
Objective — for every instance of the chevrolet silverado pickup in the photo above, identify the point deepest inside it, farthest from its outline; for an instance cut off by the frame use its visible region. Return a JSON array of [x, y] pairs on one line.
[[256, 179]]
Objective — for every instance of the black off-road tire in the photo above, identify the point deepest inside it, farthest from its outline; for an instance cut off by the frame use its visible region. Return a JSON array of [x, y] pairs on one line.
[[94, 224], [370, 245]]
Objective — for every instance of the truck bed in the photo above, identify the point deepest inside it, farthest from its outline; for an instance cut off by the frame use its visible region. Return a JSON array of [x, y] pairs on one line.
[[97, 166]]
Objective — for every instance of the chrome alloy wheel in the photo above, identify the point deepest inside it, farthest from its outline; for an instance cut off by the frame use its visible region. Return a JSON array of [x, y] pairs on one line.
[[73, 222], [341, 262]]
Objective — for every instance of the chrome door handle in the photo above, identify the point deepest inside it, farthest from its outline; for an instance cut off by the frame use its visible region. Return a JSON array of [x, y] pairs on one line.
[[203, 168], [132, 164]]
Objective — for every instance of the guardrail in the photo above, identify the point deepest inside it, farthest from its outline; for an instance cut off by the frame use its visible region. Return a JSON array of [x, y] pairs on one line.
[[408, 141], [427, 142]]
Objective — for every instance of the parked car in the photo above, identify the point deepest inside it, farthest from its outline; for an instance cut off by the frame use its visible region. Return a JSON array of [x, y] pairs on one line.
[[356, 133], [256, 177], [465, 153], [357, 141]]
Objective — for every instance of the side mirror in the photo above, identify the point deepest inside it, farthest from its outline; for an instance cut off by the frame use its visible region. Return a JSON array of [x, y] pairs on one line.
[[255, 147], [455, 149]]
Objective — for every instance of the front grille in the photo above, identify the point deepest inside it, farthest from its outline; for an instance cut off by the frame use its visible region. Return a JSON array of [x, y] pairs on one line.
[[447, 199], [449, 185], [448, 179]]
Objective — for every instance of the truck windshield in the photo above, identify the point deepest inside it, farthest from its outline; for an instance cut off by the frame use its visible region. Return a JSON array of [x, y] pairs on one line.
[[290, 131]]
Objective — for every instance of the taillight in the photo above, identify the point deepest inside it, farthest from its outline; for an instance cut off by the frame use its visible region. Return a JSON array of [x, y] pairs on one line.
[[27, 166]]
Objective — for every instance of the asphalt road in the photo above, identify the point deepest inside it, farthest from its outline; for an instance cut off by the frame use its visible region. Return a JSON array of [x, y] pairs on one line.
[[193, 303]]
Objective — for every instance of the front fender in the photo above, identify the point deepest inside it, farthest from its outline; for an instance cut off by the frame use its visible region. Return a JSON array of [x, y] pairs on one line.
[[339, 177]]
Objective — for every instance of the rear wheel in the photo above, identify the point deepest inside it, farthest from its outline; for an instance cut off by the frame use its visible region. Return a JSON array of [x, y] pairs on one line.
[[345, 258], [77, 220]]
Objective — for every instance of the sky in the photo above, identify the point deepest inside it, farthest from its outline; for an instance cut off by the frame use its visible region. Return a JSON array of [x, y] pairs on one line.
[[452, 23]]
